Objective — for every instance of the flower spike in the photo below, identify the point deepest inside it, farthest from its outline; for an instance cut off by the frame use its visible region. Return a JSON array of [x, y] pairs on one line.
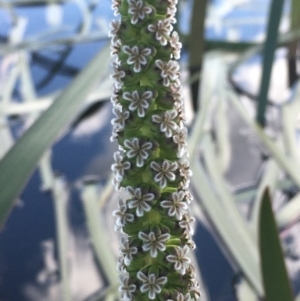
[[151, 164]]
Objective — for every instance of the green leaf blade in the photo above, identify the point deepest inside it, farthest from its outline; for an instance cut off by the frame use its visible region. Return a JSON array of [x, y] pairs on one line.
[[275, 278]]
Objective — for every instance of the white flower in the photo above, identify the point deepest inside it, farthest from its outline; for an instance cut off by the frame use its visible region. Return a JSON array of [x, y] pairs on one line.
[[191, 273], [119, 122], [115, 6], [186, 222], [121, 267], [185, 172], [195, 291], [125, 288], [115, 98], [137, 57], [113, 34], [177, 207], [151, 284], [114, 134], [167, 125], [114, 49], [171, 11], [180, 139], [138, 10], [117, 76], [162, 30], [181, 297], [141, 152], [181, 260], [127, 251], [176, 45], [138, 102], [119, 167], [154, 243], [191, 244], [117, 184], [175, 90], [169, 70], [164, 171], [140, 201], [188, 197], [122, 215]]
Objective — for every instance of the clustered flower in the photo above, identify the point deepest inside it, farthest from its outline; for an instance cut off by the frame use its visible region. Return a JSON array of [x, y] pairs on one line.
[[151, 164]]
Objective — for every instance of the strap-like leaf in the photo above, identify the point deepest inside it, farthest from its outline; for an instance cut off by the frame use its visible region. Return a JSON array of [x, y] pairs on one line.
[[268, 54], [275, 277]]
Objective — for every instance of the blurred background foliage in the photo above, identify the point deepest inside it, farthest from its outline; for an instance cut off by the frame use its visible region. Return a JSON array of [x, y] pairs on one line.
[[240, 74]]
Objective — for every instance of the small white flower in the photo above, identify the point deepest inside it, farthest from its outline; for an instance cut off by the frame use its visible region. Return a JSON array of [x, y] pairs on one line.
[[181, 297], [151, 284], [186, 223], [177, 207], [113, 34], [195, 291], [127, 250], [191, 244], [140, 201], [188, 197], [122, 215], [120, 166], [184, 169], [191, 273], [115, 26], [164, 171], [180, 139], [114, 134], [175, 90], [138, 102], [171, 16], [181, 260], [114, 49], [154, 243], [115, 6], [181, 114], [121, 267], [137, 57], [115, 99], [125, 288], [117, 184], [138, 10], [171, 9], [162, 30], [119, 122], [117, 76], [176, 45], [167, 125], [141, 152], [169, 70], [116, 61]]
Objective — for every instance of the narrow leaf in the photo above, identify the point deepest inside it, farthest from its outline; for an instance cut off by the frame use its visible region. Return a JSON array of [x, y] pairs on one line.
[[98, 232], [244, 255], [275, 277], [268, 55], [60, 197]]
